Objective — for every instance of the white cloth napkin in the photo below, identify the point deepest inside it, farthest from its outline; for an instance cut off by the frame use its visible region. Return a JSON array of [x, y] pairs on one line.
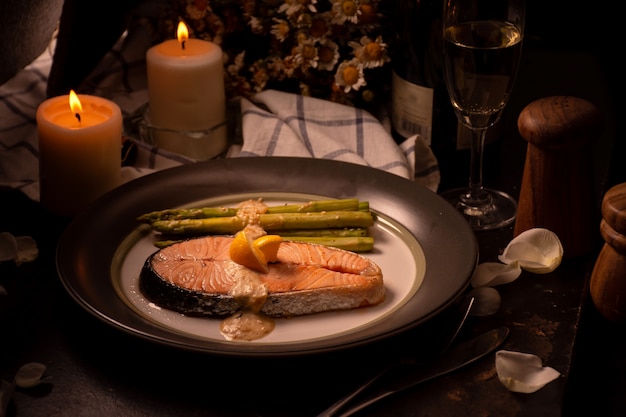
[[283, 124]]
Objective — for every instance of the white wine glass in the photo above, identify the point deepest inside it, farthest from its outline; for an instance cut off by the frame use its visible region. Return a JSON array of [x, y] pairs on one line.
[[481, 50]]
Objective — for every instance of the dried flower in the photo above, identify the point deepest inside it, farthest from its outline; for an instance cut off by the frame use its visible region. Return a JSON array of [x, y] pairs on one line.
[[350, 75], [329, 49], [291, 7], [370, 53]]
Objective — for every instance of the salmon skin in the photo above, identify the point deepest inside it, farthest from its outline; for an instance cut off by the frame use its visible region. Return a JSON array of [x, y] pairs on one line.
[[195, 277]]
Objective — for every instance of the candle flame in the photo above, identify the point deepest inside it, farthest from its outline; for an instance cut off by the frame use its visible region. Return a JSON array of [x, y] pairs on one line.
[[75, 105], [182, 32]]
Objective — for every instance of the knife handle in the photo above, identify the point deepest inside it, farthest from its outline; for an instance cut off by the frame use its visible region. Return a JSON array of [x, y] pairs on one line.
[[330, 411], [461, 355], [400, 385], [366, 403]]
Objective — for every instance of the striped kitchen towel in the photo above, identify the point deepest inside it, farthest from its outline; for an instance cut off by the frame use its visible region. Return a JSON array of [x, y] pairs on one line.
[[276, 123]]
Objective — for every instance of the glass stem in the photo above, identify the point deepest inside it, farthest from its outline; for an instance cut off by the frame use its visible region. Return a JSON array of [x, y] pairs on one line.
[[477, 195]]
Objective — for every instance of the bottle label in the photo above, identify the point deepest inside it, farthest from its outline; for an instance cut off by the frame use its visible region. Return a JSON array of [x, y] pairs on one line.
[[411, 108]]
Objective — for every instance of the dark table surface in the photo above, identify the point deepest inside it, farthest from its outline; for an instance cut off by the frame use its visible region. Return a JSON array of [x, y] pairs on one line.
[[98, 370]]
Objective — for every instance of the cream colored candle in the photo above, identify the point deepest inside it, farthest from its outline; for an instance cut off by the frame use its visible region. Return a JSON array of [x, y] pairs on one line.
[[186, 94], [79, 151]]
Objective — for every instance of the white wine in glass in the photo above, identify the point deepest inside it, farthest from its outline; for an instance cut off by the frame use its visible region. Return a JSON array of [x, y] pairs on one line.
[[482, 49]]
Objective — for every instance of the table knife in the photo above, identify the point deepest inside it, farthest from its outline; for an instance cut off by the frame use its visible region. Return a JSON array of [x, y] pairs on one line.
[[455, 358]]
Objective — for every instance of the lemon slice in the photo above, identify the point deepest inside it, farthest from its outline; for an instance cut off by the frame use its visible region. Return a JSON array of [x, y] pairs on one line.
[[254, 254], [269, 245]]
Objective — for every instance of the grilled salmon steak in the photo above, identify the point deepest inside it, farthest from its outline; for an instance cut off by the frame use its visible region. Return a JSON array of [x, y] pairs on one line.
[[197, 277]]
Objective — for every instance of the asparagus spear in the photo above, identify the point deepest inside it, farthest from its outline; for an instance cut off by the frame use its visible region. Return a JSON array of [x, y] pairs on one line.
[[332, 232], [268, 221], [348, 204], [354, 244], [340, 223], [190, 213]]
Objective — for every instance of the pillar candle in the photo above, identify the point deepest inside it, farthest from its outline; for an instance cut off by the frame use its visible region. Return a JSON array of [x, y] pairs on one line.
[[186, 94], [79, 152]]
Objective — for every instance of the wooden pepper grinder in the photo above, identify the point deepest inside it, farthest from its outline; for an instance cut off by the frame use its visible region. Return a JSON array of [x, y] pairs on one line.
[[557, 190], [608, 279]]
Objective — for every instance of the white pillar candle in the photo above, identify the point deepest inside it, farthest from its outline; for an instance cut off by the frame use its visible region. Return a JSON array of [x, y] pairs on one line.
[[186, 94], [80, 155]]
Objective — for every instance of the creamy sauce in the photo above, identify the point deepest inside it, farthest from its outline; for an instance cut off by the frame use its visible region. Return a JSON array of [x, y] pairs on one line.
[[250, 293], [250, 210], [248, 289], [246, 325]]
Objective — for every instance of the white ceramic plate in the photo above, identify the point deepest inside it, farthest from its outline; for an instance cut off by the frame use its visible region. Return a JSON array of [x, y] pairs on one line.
[[425, 248]]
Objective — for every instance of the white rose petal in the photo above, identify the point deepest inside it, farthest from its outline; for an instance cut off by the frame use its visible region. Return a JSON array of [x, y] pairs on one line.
[[27, 250], [523, 372], [537, 250], [20, 249], [493, 273], [487, 301], [8, 247], [29, 375]]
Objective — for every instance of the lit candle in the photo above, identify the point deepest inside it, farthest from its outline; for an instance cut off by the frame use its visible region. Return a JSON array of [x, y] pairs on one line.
[[186, 93], [80, 158]]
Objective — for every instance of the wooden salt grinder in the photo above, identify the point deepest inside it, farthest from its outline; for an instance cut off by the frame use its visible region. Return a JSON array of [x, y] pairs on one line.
[[557, 190], [608, 279]]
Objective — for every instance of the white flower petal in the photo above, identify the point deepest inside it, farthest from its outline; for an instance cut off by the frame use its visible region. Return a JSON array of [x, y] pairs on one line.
[[29, 375], [27, 250], [8, 247], [487, 301], [493, 273], [523, 372], [20, 249], [537, 250]]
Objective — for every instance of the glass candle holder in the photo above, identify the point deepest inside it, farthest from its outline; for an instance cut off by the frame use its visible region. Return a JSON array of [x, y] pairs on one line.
[[196, 144]]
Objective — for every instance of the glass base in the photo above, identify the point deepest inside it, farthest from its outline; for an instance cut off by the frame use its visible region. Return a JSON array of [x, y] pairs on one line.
[[491, 210]]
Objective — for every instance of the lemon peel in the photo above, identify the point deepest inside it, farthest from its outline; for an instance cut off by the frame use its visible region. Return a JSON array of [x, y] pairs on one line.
[[254, 253], [269, 245], [243, 252], [523, 372]]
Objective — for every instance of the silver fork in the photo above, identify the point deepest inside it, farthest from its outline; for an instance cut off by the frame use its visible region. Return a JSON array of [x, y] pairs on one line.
[[330, 411]]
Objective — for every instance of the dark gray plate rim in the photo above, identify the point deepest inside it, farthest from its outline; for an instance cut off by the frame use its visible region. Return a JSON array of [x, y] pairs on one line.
[[87, 247]]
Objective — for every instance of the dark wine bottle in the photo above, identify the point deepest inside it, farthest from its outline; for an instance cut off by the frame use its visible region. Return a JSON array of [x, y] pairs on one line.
[[419, 98], [417, 71]]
